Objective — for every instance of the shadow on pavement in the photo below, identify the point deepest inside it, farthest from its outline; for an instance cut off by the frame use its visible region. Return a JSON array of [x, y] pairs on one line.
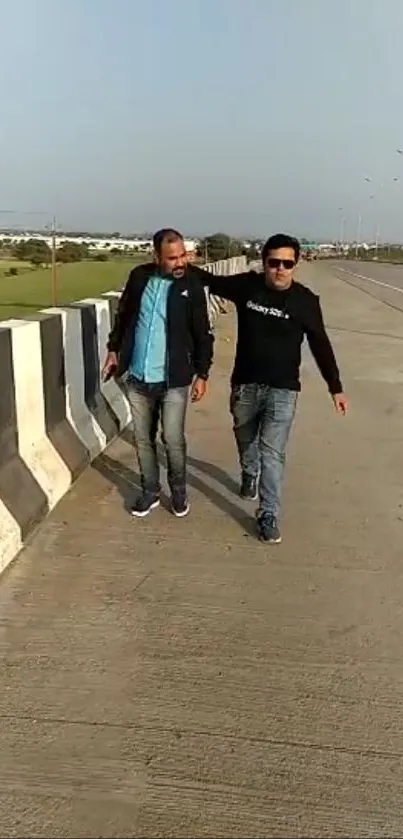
[[220, 475], [127, 482]]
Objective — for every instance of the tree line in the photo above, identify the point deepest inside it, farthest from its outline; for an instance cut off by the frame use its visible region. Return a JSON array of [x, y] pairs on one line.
[[37, 251], [221, 246]]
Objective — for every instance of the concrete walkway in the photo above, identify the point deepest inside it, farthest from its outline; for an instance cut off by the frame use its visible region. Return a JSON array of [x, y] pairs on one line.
[[177, 678]]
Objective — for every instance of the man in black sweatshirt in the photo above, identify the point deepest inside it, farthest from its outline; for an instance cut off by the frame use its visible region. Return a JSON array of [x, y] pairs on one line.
[[275, 313]]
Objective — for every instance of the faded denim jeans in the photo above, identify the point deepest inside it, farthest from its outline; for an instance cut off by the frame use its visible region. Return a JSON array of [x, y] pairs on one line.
[[263, 417], [149, 404]]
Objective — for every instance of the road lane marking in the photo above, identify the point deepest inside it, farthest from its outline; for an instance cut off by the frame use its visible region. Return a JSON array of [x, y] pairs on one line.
[[369, 279]]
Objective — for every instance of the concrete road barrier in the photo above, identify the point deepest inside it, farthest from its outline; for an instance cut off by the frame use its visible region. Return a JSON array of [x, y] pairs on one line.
[[223, 268], [56, 413]]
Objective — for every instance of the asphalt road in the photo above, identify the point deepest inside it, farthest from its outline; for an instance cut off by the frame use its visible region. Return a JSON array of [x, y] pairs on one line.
[[380, 280]]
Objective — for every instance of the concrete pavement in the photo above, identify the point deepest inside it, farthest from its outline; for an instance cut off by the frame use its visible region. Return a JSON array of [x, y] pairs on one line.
[[177, 678]]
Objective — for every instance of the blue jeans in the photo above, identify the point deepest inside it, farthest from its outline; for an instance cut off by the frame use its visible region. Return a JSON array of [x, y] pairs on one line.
[[149, 404], [263, 418]]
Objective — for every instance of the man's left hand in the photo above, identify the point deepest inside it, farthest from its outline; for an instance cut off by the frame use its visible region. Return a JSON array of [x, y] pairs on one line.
[[340, 402], [198, 390]]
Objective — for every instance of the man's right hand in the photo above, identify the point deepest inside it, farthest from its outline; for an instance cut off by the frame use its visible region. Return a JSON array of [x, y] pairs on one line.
[[198, 390], [110, 366], [340, 402]]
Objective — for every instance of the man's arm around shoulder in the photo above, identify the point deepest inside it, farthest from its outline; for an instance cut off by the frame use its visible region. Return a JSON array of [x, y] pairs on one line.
[[229, 287]]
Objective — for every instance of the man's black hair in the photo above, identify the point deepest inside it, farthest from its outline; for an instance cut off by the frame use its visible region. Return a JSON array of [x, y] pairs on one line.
[[281, 240], [166, 234]]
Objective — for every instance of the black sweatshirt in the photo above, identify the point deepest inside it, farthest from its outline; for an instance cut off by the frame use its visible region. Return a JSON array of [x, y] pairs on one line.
[[272, 325]]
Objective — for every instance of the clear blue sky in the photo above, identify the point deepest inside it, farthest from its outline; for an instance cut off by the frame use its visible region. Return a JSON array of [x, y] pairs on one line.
[[243, 115]]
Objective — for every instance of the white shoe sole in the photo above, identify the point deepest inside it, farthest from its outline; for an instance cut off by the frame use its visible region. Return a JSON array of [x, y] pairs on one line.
[[182, 514], [272, 541], [142, 515]]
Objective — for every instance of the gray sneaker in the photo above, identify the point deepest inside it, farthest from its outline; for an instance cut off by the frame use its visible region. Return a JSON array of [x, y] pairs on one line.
[[267, 529], [144, 504]]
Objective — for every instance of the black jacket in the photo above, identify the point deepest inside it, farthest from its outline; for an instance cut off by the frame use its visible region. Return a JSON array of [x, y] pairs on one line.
[[272, 326], [189, 337]]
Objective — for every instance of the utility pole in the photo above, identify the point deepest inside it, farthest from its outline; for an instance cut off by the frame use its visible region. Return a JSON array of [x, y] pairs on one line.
[[54, 268], [53, 229]]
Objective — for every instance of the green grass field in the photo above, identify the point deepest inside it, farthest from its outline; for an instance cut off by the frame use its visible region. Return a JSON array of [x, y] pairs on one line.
[[6, 264], [32, 288]]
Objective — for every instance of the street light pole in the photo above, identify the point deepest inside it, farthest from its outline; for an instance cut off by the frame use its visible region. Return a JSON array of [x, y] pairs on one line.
[[342, 222], [377, 196], [358, 242], [377, 240]]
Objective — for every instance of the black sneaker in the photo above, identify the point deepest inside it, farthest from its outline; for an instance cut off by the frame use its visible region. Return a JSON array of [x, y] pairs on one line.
[[144, 504], [179, 504], [268, 530], [248, 487]]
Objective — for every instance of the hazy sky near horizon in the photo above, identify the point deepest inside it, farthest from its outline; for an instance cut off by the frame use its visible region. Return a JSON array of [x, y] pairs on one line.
[[248, 116]]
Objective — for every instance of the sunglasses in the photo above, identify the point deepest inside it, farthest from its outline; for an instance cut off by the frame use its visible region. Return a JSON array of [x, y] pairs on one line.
[[288, 264]]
